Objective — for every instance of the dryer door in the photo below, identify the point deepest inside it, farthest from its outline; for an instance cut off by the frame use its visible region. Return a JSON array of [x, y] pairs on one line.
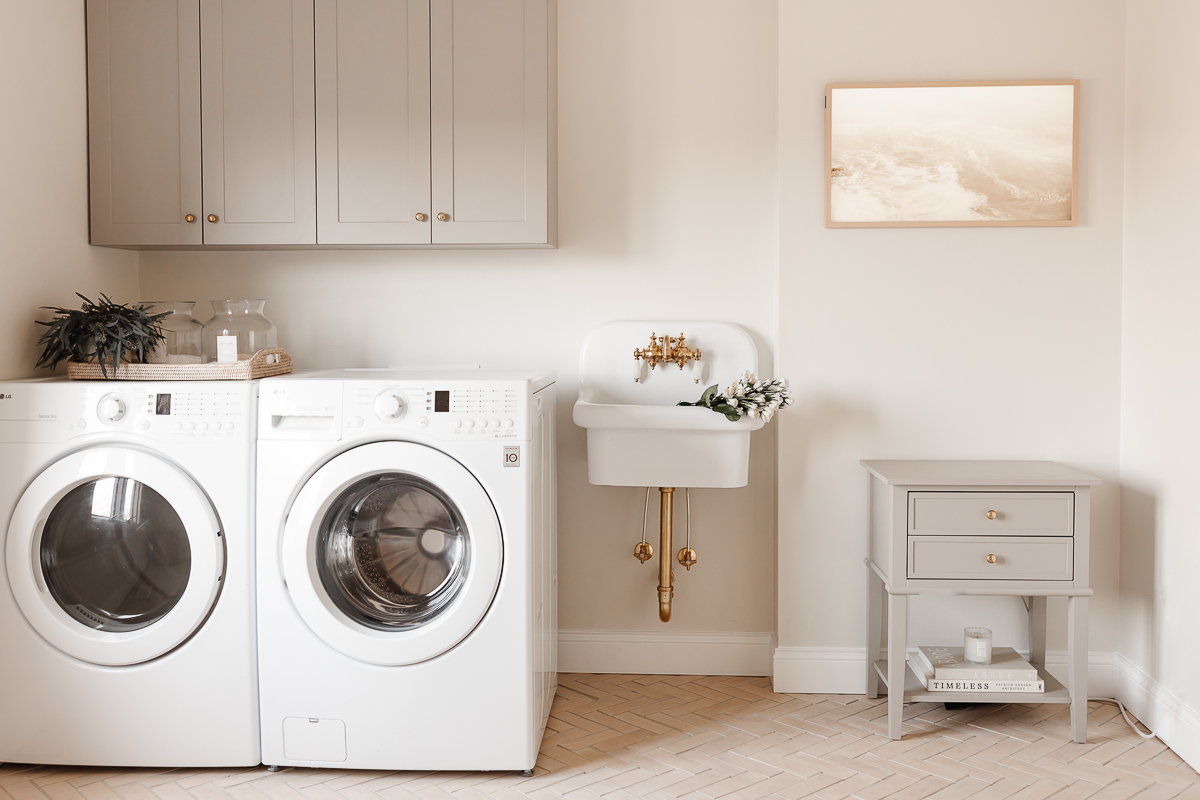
[[392, 553], [114, 555]]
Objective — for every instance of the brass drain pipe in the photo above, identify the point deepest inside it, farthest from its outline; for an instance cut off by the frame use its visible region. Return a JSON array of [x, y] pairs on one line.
[[666, 575]]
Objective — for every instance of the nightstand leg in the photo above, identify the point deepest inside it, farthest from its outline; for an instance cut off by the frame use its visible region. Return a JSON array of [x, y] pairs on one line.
[[874, 630], [897, 653], [1037, 631], [1077, 664]]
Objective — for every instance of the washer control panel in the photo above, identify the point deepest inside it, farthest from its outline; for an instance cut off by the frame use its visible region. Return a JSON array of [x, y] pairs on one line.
[[448, 411]]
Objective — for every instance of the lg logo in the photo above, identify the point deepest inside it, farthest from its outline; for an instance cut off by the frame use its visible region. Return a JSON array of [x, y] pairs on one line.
[[512, 456], [5, 397]]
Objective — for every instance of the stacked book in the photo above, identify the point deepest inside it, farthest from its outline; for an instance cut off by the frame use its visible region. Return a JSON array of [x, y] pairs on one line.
[[943, 669]]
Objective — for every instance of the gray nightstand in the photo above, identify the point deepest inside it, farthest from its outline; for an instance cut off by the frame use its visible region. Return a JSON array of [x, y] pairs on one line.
[[977, 528]]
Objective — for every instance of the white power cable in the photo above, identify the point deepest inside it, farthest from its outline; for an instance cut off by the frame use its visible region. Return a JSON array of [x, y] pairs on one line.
[[1125, 714]]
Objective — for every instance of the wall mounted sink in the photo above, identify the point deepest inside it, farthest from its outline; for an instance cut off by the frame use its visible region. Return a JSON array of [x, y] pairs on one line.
[[636, 435]]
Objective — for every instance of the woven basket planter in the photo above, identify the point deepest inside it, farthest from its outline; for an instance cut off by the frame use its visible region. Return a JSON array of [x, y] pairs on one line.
[[265, 363]]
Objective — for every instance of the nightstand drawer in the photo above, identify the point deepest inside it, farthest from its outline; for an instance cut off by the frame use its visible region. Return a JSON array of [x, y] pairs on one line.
[[1007, 558], [991, 513]]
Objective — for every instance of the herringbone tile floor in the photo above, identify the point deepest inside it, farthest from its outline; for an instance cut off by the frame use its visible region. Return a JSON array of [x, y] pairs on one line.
[[667, 738]]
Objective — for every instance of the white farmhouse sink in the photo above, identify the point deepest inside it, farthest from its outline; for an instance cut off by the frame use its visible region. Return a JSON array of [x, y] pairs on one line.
[[636, 435]]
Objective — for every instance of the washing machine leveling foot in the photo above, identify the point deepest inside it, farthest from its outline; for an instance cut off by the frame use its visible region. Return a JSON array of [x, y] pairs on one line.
[[528, 773], [274, 768]]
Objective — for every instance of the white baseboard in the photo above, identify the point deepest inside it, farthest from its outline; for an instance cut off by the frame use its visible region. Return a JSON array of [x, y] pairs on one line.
[[1176, 723], [665, 652], [843, 670], [820, 670]]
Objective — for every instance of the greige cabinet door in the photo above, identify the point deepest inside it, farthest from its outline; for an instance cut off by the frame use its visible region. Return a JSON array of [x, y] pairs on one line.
[[491, 100], [372, 121], [144, 121], [259, 139]]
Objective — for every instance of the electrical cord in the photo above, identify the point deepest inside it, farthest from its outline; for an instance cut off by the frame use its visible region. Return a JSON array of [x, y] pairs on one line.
[[1125, 714]]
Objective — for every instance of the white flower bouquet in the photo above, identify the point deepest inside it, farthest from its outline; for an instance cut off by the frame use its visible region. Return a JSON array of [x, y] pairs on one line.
[[746, 397]]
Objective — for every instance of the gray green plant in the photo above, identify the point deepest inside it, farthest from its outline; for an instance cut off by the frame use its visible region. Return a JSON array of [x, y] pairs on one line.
[[104, 330]]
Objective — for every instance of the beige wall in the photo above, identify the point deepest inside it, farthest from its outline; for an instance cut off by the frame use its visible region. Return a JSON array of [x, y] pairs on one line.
[[667, 185], [44, 254], [1160, 381], [938, 343]]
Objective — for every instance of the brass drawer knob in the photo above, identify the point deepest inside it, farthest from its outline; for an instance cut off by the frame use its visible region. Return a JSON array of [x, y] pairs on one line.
[[212, 217], [190, 218], [991, 515], [991, 559], [443, 216], [420, 217]]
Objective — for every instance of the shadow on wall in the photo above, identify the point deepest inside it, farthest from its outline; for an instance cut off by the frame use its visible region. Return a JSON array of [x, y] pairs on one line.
[[1139, 637]]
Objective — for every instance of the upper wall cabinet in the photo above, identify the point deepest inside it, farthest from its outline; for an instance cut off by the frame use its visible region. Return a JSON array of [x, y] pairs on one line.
[[324, 122], [256, 78], [373, 121], [490, 140], [144, 121]]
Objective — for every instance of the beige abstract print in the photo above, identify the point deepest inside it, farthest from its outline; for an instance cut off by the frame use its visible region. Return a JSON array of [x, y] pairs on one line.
[[952, 154]]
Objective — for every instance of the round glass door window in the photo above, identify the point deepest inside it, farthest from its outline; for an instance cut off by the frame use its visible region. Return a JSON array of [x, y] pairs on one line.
[[393, 551], [115, 554]]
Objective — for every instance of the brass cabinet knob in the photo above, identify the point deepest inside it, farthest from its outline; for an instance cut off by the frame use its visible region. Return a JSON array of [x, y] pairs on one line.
[[212, 217], [421, 217], [443, 216], [190, 218], [991, 515], [991, 559]]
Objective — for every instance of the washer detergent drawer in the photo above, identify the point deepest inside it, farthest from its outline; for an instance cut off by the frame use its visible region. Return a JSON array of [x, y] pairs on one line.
[[1011, 558], [310, 739], [991, 513]]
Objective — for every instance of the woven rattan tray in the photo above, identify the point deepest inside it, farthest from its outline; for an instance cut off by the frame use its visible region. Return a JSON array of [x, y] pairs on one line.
[[263, 364]]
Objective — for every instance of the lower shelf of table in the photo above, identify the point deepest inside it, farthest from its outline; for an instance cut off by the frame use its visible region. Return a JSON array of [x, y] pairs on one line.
[[915, 691]]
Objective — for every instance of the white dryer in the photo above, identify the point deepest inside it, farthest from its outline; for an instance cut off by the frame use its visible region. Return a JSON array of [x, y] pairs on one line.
[[126, 611], [406, 556]]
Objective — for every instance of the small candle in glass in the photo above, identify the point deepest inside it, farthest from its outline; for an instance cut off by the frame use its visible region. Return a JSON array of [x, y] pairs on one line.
[[978, 645]]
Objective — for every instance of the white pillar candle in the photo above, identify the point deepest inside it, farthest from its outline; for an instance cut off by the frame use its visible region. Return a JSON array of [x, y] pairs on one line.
[[977, 646]]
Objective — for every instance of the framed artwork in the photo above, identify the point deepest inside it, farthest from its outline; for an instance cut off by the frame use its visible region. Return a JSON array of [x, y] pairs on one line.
[[988, 153]]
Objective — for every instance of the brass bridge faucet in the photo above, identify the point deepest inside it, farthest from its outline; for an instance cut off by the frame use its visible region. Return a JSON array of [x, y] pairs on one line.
[[666, 350]]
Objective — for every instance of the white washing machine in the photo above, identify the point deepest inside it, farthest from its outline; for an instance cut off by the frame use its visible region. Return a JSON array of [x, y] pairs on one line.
[[406, 557], [126, 611]]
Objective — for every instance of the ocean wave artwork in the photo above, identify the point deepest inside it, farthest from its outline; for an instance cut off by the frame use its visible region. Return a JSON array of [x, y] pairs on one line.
[[957, 154]]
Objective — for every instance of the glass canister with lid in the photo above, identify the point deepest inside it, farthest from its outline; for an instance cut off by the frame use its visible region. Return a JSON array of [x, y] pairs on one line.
[[182, 331], [237, 331]]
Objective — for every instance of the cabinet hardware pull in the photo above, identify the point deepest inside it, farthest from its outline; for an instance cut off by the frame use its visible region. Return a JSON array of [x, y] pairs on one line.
[[420, 217], [212, 217], [991, 515], [190, 218], [443, 216], [991, 559]]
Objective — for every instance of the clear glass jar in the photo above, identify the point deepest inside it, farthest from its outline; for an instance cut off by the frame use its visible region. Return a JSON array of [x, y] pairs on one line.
[[183, 342], [243, 319]]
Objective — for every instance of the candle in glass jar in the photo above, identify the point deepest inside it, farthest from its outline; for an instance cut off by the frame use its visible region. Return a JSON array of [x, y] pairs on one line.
[[977, 645]]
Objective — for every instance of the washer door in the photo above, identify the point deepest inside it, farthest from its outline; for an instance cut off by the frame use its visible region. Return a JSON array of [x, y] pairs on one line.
[[115, 556], [392, 553]]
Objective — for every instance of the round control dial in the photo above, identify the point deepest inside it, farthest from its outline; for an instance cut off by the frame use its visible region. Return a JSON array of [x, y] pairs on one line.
[[112, 409], [389, 404]]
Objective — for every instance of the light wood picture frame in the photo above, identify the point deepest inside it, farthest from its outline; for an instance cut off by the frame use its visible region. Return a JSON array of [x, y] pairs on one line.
[[952, 154]]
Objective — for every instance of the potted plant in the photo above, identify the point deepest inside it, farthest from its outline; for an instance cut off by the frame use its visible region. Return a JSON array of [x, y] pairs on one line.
[[103, 331]]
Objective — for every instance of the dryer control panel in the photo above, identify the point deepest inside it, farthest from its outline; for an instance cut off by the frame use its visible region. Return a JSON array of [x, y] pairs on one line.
[[57, 410]]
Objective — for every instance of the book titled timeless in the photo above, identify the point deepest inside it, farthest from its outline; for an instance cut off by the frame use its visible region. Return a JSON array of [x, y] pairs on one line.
[[948, 664], [997, 682]]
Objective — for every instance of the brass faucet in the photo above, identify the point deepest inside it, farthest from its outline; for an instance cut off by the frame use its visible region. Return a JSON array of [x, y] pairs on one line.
[[666, 350]]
